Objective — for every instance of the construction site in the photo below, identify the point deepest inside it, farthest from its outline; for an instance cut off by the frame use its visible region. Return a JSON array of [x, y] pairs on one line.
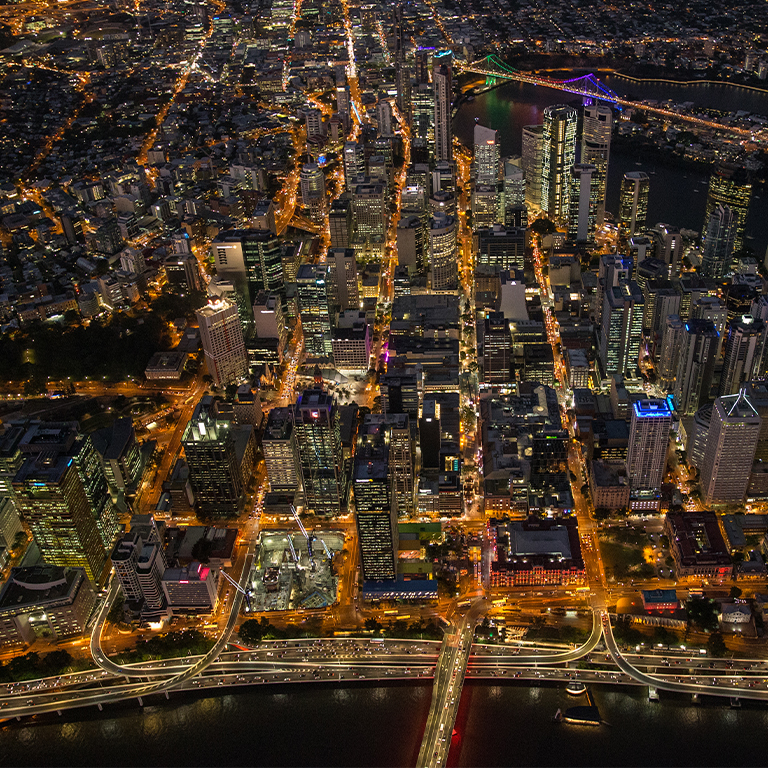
[[295, 569]]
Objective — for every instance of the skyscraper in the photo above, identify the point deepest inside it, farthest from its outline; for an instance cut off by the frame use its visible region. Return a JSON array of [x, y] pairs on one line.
[[344, 292], [354, 164], [734, 431], [633, 203], [744, 349], [312, 289], [318, 439], [312, 183], [596, 148], [557, 159], [533, 138], [344, 105], [669, 357], [375, 507], [718, 240], [584, 198], [221, 335], [651, 421], [497, 349], [487, 156], [443, 253], [622, 328], [729, 186], [369, 212], [696, 362], [280, 451], [442, 82], [212, 456]]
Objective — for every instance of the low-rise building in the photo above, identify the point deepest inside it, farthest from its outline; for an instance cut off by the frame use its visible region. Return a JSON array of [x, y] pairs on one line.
[[697, 546], [608, 485], [191, 589]]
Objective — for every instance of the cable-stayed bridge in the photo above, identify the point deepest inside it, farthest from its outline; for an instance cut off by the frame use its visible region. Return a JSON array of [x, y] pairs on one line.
[[589, 87]]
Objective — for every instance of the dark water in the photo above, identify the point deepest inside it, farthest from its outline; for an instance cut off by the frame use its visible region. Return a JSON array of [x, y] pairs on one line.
[[677, 196], [309, 725]]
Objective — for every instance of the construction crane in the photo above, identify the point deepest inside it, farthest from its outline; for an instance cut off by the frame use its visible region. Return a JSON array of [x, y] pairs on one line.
[[245, 592], [306, 535], [293, 550], [328, 552]]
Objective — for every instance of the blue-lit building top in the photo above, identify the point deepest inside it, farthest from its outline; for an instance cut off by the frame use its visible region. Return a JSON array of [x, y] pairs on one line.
[[645, 409]]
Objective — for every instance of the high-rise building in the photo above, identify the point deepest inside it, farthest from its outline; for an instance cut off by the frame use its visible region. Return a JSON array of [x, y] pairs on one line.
[[354, 164], [422, 58], [423, 104], [596, 149], [669, 357], [384, 118], [344, 105], [669, 247], [94, 480], [732, 439], [221, 335], [582, 209], [281, 454], [252, 261], [313, 119], [340, 222], [443, 253], [744, 350], [400, 459], [312, 185], [502, 248], [312, 289], [513, 188], [375, 507], [533, 144], [622, 328], [51, 496], [139, 565], [342, 274], [557, 158], [412, 243], [729, 186], [696, 361], [442, 82], [718, 240], [369, 212], [486, 208], [318, 439], [269, 319], [633, 203], [212, 456], [487, 156], [651, 421], [497, 349], [612, 271]]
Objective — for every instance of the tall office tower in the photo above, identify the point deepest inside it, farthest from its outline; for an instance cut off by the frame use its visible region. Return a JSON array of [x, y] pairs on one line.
[[400, 459], [252, 261], [10, 524], [633, 204], [400, 393], [221, 335], [354, 164], [513, 187], [139, 566], [711, 308], [212, 455], [423, 105], [651, 421], [442, 82], [497, 349], [759, 311], [312, 290], [533, 149], [344, 106], [486, 163], [422, 58], [662, 299], [375, 507], [669, 247], [269, 320], [321, 462], [744, 350], [718, 240], [281, 454], [731, 443], [50, 496], [486, 206], [443, 253], [502, 248], [369, 212], [444, 177], [596, 133], [312, 183], [183, 273], [343, 290], [403, 96], [729, 186], [413, 243], [583, 206], [340, 222], [94, 479], [622, 329], [612, 271], [384, 118], [757, 393], [696, 362], [669, 357], [313, 119], [558, 156]]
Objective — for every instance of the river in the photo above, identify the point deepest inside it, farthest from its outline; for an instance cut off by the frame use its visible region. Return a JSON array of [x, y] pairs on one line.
[[373, 725], [677, 196]]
